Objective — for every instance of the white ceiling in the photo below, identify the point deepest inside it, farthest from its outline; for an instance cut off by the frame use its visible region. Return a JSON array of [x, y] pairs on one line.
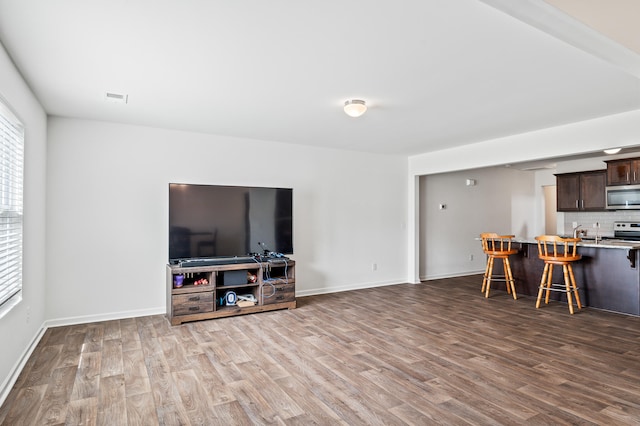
[[435, 73]]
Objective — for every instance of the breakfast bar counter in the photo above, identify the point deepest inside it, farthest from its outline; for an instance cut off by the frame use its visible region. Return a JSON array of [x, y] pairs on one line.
[[607, 275]]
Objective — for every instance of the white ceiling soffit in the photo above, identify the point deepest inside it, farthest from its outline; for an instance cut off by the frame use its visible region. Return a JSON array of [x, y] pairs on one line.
[[579, 27], [617, 19], [435, 74]]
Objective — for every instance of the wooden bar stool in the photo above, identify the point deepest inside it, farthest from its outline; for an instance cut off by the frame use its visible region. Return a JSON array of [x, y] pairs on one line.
[[554, 250], [498, 247]]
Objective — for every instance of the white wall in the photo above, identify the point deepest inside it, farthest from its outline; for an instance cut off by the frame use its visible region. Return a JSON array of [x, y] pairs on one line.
[[107, 212], [20, 327], [502, 201]]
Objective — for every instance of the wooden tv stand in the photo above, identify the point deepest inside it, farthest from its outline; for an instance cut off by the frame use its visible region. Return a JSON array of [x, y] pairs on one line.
[[274, 288]]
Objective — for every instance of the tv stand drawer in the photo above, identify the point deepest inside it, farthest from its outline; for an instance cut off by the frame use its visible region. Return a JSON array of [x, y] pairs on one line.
[[282, 293], [192, 303]]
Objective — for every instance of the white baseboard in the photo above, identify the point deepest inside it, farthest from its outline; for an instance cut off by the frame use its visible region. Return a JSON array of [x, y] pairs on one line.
[[11, 379], [451, 275], [314, 291], [105, 317]]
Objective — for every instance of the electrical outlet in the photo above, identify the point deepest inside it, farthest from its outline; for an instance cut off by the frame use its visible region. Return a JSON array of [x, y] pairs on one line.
[[470, 257], [374, 266]]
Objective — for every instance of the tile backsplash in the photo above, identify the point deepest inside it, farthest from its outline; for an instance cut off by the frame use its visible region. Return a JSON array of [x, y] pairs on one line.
[[605, 219]]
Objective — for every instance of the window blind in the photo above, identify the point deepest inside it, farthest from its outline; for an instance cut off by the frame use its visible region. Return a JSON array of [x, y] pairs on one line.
[[11, 178]]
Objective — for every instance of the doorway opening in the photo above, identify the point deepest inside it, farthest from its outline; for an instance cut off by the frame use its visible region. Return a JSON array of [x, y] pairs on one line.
[[550, 215]]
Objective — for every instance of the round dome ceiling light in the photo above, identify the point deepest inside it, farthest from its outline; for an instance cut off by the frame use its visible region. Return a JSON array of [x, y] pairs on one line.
[[355, 107], [612, 151]]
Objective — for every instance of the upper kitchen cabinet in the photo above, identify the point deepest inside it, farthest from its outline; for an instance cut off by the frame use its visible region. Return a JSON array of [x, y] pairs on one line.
[[623, 172], [584, 191]]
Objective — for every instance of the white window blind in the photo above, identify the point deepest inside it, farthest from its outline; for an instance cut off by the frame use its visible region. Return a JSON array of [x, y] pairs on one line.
[[11, 177]]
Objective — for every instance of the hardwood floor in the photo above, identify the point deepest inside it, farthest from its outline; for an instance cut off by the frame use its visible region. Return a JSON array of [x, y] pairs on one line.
[[434, 353]]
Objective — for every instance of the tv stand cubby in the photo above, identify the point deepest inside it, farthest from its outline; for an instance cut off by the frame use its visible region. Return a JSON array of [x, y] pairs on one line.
[[204, 289]]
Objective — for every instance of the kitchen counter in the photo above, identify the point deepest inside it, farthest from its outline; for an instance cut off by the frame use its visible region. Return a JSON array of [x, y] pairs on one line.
[[606, 243], [607, 275]]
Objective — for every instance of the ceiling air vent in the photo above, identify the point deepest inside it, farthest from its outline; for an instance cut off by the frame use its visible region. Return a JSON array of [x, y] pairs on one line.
[[116, 98]]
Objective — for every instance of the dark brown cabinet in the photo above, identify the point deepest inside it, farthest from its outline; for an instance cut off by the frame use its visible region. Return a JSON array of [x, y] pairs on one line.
[[623, 172], [584, 191]]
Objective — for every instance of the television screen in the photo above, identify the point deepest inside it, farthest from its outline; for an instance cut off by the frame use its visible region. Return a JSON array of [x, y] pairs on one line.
[[210, 221]]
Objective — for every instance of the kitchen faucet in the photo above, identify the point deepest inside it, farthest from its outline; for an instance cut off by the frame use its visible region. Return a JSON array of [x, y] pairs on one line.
[[575, 231]]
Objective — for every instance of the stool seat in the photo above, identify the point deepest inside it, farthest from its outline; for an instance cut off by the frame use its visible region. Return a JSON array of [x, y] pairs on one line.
[[560, 260], [500, 252], [498, 247], [555, 250]]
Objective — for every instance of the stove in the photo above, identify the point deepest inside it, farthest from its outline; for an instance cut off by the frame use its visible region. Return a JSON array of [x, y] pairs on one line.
[[627, 230]]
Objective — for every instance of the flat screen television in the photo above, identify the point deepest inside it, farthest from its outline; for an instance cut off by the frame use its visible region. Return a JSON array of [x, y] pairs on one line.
[[216, 221]]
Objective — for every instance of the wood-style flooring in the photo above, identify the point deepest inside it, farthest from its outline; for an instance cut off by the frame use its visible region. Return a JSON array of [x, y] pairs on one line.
[[433, 353]]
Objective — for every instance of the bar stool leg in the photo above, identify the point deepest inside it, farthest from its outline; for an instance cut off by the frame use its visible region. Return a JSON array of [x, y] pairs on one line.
[[486, 274], [567, 284], [486, 294], [575, 287], [511, 287], [506, 274], [543, 281], [549, 283]]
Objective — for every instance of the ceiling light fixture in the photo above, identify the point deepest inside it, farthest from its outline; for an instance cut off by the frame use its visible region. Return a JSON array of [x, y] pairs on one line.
[[612, 150], [355, 107]]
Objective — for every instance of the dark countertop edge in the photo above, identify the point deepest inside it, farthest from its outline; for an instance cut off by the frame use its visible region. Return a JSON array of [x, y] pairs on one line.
[[602, 244]]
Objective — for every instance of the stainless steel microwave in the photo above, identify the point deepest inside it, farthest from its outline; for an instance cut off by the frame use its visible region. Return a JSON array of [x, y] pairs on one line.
[[623, 197]]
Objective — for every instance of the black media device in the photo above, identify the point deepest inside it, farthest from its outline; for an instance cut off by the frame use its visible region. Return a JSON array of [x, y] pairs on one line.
[[234, 277], [224, 222]]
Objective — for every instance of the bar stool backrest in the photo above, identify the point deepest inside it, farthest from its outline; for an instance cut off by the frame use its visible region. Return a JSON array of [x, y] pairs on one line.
[[492, 242], [553, 247]]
